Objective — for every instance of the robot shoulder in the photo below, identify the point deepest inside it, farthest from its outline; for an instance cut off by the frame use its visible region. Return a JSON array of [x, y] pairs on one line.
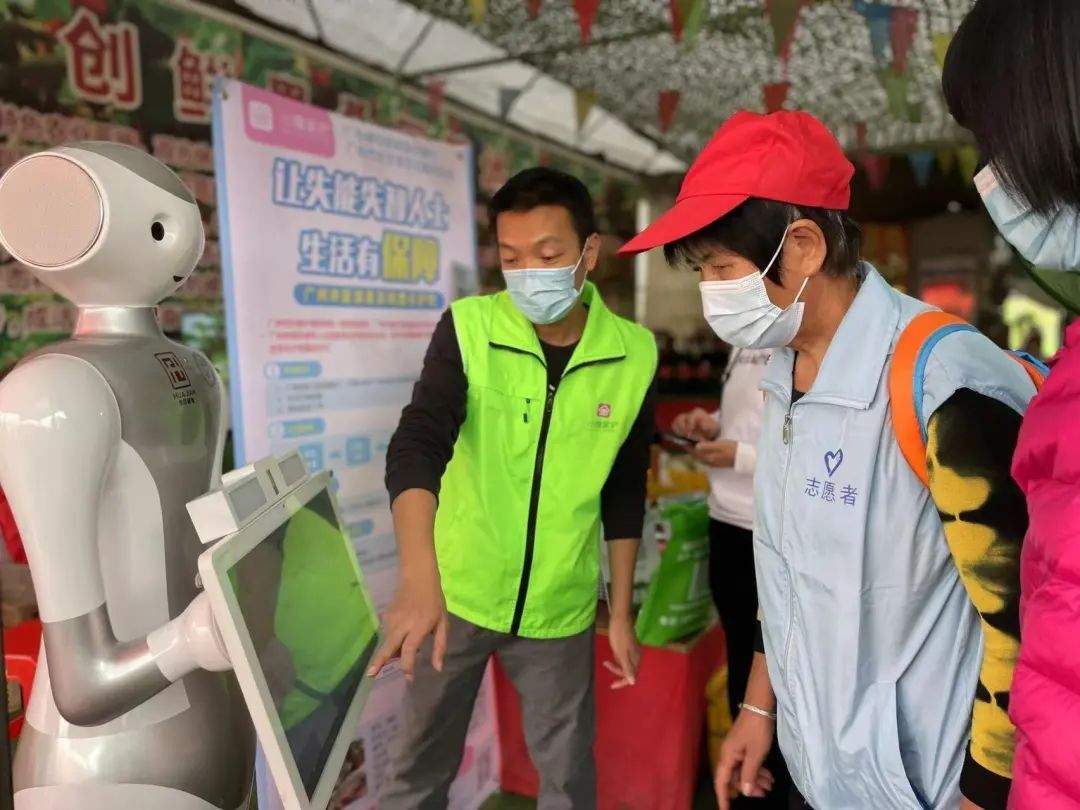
[[61, 395]]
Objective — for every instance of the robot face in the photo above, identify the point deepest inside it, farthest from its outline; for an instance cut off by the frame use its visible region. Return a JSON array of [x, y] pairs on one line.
[[101, 223]]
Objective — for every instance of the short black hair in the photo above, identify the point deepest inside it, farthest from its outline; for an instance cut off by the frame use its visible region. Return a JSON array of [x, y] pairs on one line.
[[1012, 77], [540, 185], [755, 229]]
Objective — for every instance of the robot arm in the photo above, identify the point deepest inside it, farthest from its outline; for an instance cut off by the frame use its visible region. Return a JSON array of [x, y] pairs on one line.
[[59, 436]]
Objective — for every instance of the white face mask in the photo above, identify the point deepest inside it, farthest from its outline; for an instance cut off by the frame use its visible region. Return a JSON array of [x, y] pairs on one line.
[[740, 312]]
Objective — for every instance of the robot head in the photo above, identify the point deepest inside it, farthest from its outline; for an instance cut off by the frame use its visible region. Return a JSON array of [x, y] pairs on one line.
[[102, 224]]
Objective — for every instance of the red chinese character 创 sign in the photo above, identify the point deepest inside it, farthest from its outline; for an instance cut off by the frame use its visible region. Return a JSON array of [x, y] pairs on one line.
[[103, 60], [193, 76]]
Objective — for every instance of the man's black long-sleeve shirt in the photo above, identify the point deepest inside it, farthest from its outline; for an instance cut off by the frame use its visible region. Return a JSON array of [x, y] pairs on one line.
[[424, 441]]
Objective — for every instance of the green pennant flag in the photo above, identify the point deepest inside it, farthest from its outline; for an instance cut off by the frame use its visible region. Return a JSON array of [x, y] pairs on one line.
[[479, 11], [898, 92], [967, 157], [583, 103], [942, 41], [783, 17], [947, 161], [690, 14]]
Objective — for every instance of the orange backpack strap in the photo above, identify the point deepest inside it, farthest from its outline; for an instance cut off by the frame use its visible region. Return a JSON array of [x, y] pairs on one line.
[[908, 372], [1036, 369], [906, 375]]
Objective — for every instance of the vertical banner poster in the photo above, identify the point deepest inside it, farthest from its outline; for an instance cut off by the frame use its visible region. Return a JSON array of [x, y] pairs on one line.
[[340, 241]]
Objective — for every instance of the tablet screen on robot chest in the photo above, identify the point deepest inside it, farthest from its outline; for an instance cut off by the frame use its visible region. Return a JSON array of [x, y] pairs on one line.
[[312, 629]]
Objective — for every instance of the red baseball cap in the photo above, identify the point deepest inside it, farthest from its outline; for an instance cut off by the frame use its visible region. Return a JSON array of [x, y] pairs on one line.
[[788, 157]]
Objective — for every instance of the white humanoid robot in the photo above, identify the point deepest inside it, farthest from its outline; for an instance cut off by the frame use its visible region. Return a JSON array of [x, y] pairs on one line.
[[104, 439]]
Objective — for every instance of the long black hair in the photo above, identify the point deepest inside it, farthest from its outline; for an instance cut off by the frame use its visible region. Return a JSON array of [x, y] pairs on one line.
[[1012, 76]]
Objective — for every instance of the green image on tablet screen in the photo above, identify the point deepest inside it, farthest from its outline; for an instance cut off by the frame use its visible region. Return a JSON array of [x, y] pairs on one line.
[[305, 609]]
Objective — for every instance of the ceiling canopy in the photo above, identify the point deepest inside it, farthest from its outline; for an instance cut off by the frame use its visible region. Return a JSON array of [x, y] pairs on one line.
[[644, 83]]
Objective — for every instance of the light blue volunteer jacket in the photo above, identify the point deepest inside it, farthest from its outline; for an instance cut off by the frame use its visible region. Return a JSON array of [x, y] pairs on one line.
[[872, 643]]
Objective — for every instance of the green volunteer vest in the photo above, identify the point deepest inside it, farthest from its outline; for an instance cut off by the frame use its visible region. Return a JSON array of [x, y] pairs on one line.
[[518, 526]]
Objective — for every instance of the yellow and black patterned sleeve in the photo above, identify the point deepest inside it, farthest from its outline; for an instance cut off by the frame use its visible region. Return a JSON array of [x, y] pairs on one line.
[[970, 444]]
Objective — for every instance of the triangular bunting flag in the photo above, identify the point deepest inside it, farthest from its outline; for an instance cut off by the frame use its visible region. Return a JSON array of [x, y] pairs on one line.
[[436, 92], [583, 103], [586, 14], [686, 18], [534, 8], [668, 103], [479, 11], [676, 18], [967, 157], [947, 160], [922, 166], [898, 92], [784, 18], [877, 170], [942, 41], [905, 23], [879, 21], [508, 97], [99, 7], [775, 95]]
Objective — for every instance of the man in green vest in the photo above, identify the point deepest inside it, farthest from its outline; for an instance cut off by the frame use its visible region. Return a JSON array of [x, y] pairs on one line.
[[526, 442]]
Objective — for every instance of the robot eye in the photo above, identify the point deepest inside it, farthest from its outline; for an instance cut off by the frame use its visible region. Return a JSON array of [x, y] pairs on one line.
[[157, 230]]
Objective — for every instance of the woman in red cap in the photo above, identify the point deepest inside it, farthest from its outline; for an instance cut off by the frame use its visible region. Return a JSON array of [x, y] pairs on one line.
[[1023, 105], [886, 567]]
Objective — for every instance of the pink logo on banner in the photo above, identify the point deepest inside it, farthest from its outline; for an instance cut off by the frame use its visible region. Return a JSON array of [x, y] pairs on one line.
[[278, 121]]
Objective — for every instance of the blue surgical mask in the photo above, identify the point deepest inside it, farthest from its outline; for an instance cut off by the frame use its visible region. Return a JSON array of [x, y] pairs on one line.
[[544, 294], [1048, 242]]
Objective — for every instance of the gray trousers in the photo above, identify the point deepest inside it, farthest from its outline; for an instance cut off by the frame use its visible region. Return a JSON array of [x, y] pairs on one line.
[[555, 681]]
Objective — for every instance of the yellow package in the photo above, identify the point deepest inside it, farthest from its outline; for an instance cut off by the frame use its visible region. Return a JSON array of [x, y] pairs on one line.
[[717, 713]]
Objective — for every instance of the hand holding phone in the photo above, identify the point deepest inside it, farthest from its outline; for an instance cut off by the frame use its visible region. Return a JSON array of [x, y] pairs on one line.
[[677, 442]]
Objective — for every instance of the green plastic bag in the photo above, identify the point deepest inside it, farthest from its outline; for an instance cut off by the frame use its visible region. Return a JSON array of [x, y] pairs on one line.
[[679, 604]]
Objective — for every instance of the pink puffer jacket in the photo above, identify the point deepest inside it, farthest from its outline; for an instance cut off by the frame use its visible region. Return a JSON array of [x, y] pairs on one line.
[[1045, 699]]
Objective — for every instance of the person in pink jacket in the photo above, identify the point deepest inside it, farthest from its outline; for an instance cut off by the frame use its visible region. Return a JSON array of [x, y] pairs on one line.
[[1012, 77]]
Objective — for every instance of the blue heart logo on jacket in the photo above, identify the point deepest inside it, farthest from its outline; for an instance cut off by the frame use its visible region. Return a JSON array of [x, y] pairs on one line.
[[833, 460]]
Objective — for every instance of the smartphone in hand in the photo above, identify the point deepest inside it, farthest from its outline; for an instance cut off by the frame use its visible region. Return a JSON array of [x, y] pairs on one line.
[[676, 442]]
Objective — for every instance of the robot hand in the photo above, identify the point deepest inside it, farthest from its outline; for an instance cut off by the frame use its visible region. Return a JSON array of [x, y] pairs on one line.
[[190, 641]]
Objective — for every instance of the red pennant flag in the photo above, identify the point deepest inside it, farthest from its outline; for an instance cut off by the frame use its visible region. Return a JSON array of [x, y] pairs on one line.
[[905, 24], [668, 103], [436, 91], [99, 7], [586, 15], [877, 170], [775, 95], [676, 19], [534, 8]]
